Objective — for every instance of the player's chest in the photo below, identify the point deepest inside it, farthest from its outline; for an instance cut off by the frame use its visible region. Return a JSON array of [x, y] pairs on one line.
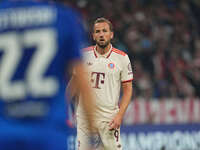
[[103, 65]]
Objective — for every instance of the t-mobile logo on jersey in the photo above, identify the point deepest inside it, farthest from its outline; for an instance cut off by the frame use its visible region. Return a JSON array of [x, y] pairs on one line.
[[97, 78]]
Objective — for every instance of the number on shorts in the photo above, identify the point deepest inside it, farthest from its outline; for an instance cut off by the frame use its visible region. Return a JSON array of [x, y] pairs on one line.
[[116, 134]]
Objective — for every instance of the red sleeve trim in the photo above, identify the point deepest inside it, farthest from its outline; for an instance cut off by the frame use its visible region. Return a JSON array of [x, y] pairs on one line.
[[127, 80]]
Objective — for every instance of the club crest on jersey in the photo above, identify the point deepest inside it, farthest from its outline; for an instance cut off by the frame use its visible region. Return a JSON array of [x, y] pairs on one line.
[[111, 65]]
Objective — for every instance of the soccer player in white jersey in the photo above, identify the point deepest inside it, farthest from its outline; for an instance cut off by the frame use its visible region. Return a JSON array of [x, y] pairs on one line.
[[109, 70]]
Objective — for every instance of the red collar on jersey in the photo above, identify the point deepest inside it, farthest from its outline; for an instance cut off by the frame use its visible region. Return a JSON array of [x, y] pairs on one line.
[[106, 55]]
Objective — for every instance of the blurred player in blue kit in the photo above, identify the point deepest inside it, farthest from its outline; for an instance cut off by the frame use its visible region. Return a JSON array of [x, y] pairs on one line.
[[38, 42]]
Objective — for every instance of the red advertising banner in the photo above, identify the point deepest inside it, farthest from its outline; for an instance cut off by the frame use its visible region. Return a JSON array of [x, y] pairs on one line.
[[166, 111]]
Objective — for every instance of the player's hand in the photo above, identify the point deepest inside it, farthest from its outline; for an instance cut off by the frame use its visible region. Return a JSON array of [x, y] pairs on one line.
[[116, 122]]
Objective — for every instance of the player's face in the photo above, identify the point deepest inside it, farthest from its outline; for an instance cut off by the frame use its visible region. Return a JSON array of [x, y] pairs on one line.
[[102, 34]]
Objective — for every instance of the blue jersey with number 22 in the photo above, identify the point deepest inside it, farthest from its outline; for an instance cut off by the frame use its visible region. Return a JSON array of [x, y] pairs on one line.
[[37, 42]]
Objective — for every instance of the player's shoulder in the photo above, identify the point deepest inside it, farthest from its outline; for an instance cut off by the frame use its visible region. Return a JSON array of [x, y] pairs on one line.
[[70, 17], [32, 3], [118, 52], [88, 49], [67, 10]]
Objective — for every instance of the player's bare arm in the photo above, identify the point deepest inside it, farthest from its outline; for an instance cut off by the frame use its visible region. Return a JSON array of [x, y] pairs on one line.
[[126, 98], [82, 84], [71, 89]]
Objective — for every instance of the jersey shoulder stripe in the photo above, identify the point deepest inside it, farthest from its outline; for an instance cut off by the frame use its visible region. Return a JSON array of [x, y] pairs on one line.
[[88, 49], [119, 52]]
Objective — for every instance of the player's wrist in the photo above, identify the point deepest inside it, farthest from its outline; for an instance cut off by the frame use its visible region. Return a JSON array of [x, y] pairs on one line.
[[121, 114]]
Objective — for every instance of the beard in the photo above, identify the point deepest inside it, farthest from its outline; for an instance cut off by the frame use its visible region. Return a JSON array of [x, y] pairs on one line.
[[103, 45]]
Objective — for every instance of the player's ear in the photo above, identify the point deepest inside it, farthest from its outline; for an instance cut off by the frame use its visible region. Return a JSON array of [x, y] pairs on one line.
[[93, 36], [112, 35]]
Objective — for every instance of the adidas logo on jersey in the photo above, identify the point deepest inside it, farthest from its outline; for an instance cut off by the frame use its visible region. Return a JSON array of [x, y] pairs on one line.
[[89, 63]]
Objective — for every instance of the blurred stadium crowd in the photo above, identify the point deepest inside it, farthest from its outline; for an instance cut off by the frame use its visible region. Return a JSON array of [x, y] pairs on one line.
[[162, 39]]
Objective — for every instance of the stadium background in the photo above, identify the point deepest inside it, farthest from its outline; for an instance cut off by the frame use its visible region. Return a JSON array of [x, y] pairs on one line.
[[162, 40]]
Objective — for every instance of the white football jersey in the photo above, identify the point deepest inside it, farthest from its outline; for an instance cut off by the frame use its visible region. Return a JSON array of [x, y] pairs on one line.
[[106, 73]]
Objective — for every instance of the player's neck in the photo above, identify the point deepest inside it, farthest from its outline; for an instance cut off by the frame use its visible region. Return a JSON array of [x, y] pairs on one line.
[[103, 51]]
